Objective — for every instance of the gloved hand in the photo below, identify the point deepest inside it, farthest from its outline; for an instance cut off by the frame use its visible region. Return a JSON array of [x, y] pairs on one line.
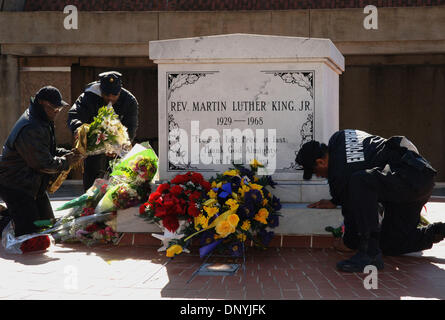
[[73, 157]]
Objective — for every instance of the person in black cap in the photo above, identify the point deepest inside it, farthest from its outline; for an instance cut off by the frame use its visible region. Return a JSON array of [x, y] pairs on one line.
[[367, 173], [29, 159], [108, 89]]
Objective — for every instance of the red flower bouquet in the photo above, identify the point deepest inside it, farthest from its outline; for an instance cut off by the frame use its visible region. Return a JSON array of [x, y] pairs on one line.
[[39, 243], [176, 200]]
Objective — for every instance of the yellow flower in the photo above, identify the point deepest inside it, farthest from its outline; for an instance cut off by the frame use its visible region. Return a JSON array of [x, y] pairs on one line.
[[246, 225], [256, 186], [213, 184], [243, 190], [174, 250], [231, 173], [265, 201], [233, 220], [224, 228], [210, 202], [211, 211], [255, 163], [242, 237], [202, 221], [233, 204], [255, 179], [212, 194], [235, 196], [262, 216]]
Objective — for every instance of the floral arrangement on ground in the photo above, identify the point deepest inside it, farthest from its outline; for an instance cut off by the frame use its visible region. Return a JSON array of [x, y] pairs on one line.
[[223, 213]]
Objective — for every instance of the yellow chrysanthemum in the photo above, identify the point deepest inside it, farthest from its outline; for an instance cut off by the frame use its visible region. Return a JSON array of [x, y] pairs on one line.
[[212, 194], [213, 184], [233, 220], [246, 225], [201, 221], [174, 250], [224, 228], [233, 204], [243, 190], [242, 237], [262, 216], [231, 173], [255, 163], [211, 211], [265, 202], [256, 186]]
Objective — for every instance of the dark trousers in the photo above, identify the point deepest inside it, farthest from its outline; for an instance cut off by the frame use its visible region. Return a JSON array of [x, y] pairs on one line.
[[403, 191], [24, 209], [94, 167]]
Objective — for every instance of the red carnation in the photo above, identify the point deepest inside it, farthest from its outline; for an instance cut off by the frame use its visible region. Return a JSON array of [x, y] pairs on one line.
[[179, 179], [193, 210], [142, 208], [160, 212], [176, 190], [154, 196], [92, 227], [197, 178], [171, 223], [206, 185], [36, 244], [162, 188], [195, 196]]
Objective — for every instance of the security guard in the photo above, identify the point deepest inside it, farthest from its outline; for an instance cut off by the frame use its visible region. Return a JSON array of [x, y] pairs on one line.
[[96, 95], [364, 172]]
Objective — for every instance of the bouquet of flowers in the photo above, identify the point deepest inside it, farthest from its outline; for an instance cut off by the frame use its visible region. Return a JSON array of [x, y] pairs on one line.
[[130, 180], [179, 199], [105, 134], [237, 208]]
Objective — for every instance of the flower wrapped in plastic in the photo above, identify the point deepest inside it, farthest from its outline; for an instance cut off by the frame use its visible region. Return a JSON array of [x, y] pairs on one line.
[[237, 208], [105, 134], [130, 180], [26, 243]]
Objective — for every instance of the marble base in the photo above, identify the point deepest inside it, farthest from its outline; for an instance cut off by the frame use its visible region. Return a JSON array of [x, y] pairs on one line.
[[296, 219]]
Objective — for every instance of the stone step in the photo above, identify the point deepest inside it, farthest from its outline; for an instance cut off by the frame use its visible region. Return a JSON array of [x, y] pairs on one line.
[[296, 219]]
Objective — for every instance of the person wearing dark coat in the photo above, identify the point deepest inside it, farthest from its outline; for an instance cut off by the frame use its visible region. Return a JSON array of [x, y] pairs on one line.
[[369, 175], [108, 89], [28, 161]]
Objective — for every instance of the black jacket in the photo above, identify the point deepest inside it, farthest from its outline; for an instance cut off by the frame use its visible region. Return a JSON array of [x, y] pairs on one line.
[[29, 156], [355, 150], [90, 101]]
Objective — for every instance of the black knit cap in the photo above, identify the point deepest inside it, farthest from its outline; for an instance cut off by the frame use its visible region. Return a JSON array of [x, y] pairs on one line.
[[309, 152], [110, 82]]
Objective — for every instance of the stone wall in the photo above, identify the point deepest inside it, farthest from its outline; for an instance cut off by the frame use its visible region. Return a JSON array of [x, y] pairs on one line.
[[211, 5], [32, 81], [10, 109]]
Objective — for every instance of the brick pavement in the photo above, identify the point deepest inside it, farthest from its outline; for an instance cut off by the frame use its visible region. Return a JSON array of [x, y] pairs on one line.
[[74, 271]]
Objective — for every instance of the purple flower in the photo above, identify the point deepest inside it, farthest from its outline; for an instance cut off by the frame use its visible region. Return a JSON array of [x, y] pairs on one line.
[[236, 249], [273, 221], [266, 236], [246, 211], [276, 204], [253, 197], [206, 238]]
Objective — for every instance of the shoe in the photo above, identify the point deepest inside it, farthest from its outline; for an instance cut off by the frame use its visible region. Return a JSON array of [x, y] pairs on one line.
[[359, 261], [368, 253]]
